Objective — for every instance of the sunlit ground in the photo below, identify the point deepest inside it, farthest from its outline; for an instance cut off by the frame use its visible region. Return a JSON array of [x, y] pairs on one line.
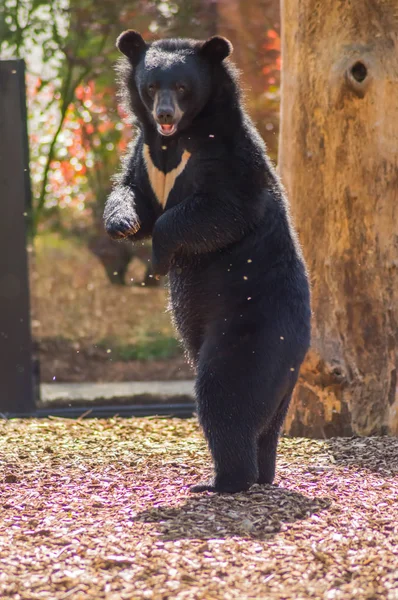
[[101, 509]]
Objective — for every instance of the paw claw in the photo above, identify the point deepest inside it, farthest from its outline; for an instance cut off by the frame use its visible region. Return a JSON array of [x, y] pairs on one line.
[[121, 228], [202, 487], [133, 229]]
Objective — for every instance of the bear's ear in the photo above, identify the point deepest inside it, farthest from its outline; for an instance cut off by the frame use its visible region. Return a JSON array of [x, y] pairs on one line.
[[131, 44], [216, 48]]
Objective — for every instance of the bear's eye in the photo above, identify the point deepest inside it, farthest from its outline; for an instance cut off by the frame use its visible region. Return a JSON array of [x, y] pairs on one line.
[[181, 88], [151, 89]]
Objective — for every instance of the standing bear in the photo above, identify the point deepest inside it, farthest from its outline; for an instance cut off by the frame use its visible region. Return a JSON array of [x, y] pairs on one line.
[[197, 180]]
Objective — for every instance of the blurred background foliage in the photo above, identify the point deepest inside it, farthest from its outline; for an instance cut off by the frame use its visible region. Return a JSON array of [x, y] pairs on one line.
[[77, 131]]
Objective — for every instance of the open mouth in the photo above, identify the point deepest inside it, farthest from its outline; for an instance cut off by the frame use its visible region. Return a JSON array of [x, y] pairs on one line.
[[168, 129]]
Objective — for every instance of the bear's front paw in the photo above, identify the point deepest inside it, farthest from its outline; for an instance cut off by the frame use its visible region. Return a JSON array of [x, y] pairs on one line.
[[121, 226], [160, 263]]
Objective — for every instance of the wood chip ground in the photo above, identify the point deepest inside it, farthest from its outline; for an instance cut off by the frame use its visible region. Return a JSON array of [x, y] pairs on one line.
[[101, 509]]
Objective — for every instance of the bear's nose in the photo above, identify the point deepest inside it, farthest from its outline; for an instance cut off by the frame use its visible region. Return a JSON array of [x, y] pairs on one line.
[[165, 115]]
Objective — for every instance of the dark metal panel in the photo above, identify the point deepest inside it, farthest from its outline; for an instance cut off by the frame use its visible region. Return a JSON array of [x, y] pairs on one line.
[[16, 377], [182, 411]]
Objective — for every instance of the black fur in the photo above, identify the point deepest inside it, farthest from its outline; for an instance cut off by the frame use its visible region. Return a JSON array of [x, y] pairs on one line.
[[238, 284]]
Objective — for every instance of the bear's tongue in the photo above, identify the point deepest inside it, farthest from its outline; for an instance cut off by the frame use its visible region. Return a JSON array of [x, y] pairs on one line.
[[166, 128]]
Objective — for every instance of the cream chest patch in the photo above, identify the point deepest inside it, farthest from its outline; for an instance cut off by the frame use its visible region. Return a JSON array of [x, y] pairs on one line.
[[163, 183]]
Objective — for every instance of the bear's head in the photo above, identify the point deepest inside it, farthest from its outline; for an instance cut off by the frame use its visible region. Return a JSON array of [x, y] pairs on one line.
[[170, 81]]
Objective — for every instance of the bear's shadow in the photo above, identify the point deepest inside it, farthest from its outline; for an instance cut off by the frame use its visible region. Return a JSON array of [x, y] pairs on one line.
[[259, 513], [377, 454]]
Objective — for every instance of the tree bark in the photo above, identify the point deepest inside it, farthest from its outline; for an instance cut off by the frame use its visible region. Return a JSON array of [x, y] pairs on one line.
[[338, 161]]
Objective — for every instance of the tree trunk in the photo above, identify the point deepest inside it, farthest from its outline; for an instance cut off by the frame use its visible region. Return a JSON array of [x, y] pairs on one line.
[[338, 161]]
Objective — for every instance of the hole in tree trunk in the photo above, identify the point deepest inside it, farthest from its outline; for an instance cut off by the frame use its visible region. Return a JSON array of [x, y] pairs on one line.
[[359, 71]]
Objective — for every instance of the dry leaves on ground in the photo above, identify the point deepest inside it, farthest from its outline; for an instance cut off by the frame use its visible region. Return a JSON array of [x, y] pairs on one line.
[[101, 509]]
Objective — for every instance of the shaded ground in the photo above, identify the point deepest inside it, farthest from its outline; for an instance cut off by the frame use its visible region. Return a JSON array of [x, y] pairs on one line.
[[101, 509]]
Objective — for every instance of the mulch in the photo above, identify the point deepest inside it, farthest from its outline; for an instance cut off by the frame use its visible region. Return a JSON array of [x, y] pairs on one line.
[[101, 509]]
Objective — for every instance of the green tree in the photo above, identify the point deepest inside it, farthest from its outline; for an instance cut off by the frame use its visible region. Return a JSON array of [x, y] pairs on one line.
[[75, 44]]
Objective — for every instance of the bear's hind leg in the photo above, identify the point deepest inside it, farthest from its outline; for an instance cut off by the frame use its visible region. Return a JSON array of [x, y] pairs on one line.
[[234, 455], [268, 443], [235, 461], [231, 435]]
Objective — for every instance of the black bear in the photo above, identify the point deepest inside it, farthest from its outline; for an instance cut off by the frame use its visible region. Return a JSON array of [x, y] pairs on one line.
[[198, 181]]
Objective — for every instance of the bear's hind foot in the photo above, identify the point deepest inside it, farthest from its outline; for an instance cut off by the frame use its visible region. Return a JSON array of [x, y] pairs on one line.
[[202, 487], [230, 487]]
